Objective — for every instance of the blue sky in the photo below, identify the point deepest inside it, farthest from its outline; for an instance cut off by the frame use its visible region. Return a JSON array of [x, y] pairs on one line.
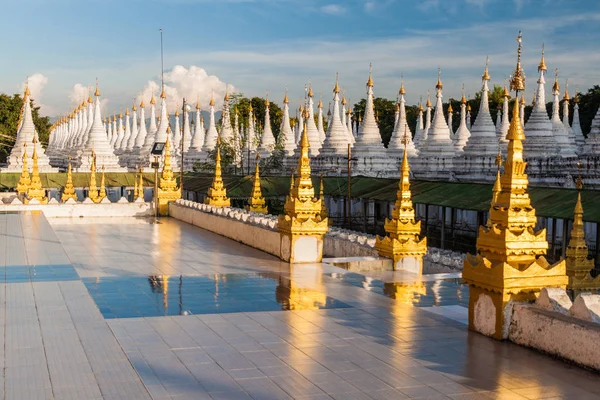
[[259, 45]]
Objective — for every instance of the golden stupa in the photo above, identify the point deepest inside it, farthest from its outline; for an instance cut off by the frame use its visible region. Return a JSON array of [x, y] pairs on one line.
[[93, 191], [69, 190], [167, 189], [256, 202], [579, 265], [217, 194], [25, 179], [140, 185], [402, 242], [302, 226], [35, 189], [510, 264], [102, 191]]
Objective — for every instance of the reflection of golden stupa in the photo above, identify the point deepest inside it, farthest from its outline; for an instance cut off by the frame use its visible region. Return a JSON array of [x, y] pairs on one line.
[[303, 291], [302, 226], [402, 242], [217, 194], [510, 264], [167, 189], [579, 265], [408, 293], [256, 202]]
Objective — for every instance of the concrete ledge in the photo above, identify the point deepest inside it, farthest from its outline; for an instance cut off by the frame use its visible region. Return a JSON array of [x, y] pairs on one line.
[[257, 236], [554, 333], [83, 210]]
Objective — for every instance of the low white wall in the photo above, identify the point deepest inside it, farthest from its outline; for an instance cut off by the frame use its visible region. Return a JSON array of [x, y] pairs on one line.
[[557, 334], [261, 236], [79, 210]]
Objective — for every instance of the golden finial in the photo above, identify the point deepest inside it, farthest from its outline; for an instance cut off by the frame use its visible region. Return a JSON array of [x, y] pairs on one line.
[[120, 113], [169, 129], [134, 108], [27, 92], [556, 86], [566, 96], [576, 98], [152, 99], [320, 105], [197, 102], [142, 105], [285, 97], [450, 110], [542, 66], [402, 92], [89, 100], [212, 98], [522, 102], [336, 89], [226, 98], [97, 91], [162, 93], [421, 104], [515, 130], [463, 99], [177, 113], [517, 82], [344, 99], [505, 93], [486, 74], [310, 91], [428, 105], [439, 85], [267, 103], [534, 98], [370, 81], [127, 111], [468, 107]]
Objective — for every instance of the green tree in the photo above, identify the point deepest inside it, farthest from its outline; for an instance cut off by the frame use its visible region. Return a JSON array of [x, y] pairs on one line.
[[588, 107], [10, 111]]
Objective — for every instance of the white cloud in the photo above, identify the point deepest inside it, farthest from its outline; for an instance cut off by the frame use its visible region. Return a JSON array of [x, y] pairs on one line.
[[193, 83], [369, 6], [333, 9], [37, 82]]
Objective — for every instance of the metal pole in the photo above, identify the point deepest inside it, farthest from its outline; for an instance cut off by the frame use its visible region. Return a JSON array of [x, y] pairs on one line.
[[182, 141], [156, 188], [348, 205]]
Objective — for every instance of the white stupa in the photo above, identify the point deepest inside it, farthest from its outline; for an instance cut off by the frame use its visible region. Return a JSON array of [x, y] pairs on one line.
[[286, 135], [27, 134], [336, 138], [402, 136], [312, 132], [576, 125], [483, 141], [461, 137], [267, 142], [438, 143], [369, 143], [210, 140], [566, 149], [540, 141]]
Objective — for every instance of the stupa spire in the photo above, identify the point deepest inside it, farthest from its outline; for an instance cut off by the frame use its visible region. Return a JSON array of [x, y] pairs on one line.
[[267, 142], [576, 126], [462, 134], [93, 189], [336, 138], [35, 190], [25, 179], [314, 137], [483, 141], [402, 131], [286, 135], [256, 202], [217, 194], [210, 139], [560, 132], [369, 142], [69, 189], [438, 143]]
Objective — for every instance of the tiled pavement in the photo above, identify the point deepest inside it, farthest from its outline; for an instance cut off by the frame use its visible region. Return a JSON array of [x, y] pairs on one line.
[[57, 344]]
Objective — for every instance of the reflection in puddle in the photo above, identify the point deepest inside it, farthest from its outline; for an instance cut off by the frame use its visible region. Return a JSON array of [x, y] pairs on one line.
[[159, 295], [443, 292]]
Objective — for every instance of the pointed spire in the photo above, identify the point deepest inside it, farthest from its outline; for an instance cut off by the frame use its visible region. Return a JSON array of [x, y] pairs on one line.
[[25, 179], [69, 189], [35, 190], [370, 80], [542, 66], [217, 194], [93, 189], [256, 202], [141, 185], [102, 191]]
